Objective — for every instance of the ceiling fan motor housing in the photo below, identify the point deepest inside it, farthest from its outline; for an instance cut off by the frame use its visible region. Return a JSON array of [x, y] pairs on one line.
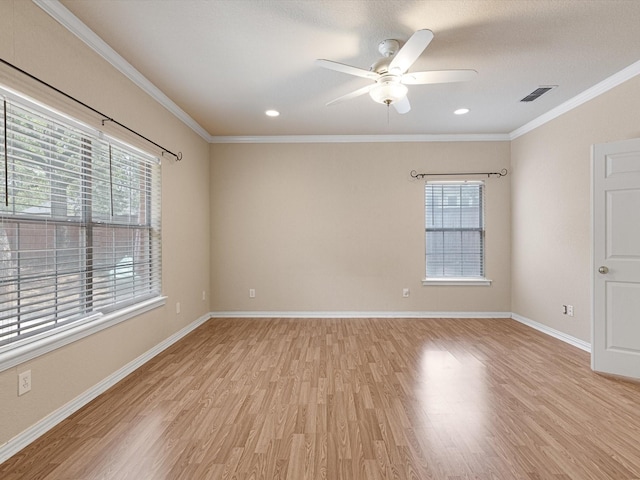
[[388, 47], [381, 66]]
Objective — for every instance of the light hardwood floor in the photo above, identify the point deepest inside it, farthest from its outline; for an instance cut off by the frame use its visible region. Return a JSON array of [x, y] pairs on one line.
[[351, 399]]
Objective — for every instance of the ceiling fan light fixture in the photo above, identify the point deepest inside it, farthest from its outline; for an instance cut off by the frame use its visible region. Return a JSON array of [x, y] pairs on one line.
[[388, 92]]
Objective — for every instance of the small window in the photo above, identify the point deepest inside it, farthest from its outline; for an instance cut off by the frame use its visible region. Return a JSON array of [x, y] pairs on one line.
[[454, 233]]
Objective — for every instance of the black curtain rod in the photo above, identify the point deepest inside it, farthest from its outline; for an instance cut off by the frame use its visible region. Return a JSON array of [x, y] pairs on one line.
[[501, 173], [106, 118]]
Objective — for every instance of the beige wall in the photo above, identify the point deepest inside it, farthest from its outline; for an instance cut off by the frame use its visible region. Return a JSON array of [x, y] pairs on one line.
[[551, 204], [316, 227], [33, 41], [340, 227]]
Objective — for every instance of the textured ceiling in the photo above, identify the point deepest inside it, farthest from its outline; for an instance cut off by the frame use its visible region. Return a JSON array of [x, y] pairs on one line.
[[225, 62]]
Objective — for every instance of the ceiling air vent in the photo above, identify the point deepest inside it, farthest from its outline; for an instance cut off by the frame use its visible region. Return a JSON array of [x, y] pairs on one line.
[[537, 93]]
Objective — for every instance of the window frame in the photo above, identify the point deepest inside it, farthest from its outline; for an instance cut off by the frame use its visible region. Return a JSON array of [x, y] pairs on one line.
[[480, 280], [55, 336]]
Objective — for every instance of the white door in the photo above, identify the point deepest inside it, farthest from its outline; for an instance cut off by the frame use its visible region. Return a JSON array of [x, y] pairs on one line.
[[616, 258]]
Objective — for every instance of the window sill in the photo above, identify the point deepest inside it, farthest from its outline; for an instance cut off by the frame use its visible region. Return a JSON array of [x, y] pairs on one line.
[[475, 282], [29, 348]]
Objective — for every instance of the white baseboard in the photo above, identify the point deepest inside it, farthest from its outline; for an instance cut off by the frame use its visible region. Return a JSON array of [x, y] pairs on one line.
[[576, 342], [352, 314], [23, 439]]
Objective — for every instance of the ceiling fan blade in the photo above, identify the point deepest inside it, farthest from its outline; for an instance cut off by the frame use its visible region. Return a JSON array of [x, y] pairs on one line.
[[341, 67], [438, 76], [402, 106], [410, 51], [349, 96]]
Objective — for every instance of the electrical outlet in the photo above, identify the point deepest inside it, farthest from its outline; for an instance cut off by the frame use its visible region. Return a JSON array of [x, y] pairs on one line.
[[24, 382], [405, 292], [570, 310], [252, 293], [177, 307], [204, 295]]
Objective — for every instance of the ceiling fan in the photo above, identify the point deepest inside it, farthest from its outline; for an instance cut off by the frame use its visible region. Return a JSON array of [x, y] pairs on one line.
[[390, 72]]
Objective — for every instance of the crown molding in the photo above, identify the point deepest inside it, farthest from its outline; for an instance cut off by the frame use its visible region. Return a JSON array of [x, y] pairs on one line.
[[480, 137], [589, 94], [63, 16], [68, 20], [72, 23]]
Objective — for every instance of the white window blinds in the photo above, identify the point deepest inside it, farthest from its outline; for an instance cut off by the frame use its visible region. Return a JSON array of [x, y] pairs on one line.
[[79, 222], [454, 229]]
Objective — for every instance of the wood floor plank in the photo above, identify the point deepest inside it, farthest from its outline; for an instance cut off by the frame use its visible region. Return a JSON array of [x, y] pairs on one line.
[[353, 399]]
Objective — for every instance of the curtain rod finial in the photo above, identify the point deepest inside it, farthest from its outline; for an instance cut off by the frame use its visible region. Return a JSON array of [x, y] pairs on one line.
[[177, 156]]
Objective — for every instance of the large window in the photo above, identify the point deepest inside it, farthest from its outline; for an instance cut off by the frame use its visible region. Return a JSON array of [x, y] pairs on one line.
[[454, 230], [79, 222]]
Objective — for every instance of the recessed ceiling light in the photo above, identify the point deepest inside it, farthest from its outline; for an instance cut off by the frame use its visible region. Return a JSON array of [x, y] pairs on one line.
[[461, 111], [272, 113]]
